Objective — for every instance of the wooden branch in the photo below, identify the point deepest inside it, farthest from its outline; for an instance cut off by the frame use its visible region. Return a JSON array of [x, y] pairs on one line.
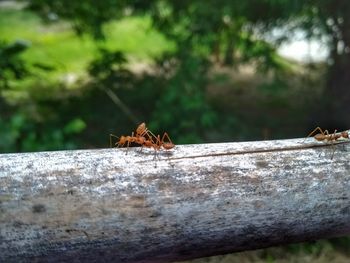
[[193, 201]]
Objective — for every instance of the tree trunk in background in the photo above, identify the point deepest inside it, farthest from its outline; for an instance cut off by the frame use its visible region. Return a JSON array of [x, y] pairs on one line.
[[228, 59], [338, 92], [338, 83]]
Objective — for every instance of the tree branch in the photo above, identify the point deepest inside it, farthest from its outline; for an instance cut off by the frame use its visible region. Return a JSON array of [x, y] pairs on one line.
[[190, 202]]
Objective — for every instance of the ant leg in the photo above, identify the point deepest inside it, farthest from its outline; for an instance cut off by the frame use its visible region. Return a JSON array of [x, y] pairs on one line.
[[142, 145], [156, 145], [127, 147], [141, 148], [155, 154], [155, 158], [128, 144], [110, 139], [158, 142], [332, 143], [155, 163], [151, 136], [317, 129], [143, 133], [166, 142], [333, 151], [332, 136], [165, 135], [313, 132]]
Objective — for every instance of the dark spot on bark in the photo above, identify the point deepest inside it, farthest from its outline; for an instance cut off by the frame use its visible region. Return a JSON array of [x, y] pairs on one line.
[[342, 148], [262, 164], [17, 224], [253, 180], [249, 229], [346, 210], [138, 198], [29, 166], [38, 208], [70, 192], [147, 230], [25, 197], [79, 231], [347, 166], [288, 167], [148, 178], [258, 204], [163, 185], [322, 207], [155, 214], [138, 201]]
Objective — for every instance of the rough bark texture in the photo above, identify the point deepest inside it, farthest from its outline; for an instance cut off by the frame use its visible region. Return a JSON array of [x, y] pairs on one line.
[[193, 201]]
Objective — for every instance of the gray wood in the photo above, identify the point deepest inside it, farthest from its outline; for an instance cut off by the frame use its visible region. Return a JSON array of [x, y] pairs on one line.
[[190, 202]]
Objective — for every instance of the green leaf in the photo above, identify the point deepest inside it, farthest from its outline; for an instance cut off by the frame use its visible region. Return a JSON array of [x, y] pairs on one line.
[[74, 126]]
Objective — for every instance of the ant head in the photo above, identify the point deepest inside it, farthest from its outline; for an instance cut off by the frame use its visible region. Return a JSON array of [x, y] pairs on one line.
[[345, 134]]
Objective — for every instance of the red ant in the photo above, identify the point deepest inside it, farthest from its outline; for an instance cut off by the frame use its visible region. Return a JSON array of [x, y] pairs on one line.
[[327, 137], [141, 130], [161, 143], [145, 138]]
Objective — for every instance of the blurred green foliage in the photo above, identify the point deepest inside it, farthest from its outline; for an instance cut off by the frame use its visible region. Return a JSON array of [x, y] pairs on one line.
[[174, 87], [21, 134], [12, 67], [182, 107], [195, 38]]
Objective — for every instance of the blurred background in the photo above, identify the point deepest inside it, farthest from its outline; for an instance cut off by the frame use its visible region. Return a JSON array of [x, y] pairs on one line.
[[72, 72]]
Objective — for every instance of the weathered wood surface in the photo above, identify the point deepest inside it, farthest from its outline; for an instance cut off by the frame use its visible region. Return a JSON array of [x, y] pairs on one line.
[[199, 200]]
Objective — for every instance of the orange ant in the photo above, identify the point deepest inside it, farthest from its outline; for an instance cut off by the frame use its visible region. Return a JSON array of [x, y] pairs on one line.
[[329, 137], [141, 130], [326, 136], [161, 143], [145, 138]]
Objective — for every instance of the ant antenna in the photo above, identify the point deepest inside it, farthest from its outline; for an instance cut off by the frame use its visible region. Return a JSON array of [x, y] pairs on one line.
[[110, 139]]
